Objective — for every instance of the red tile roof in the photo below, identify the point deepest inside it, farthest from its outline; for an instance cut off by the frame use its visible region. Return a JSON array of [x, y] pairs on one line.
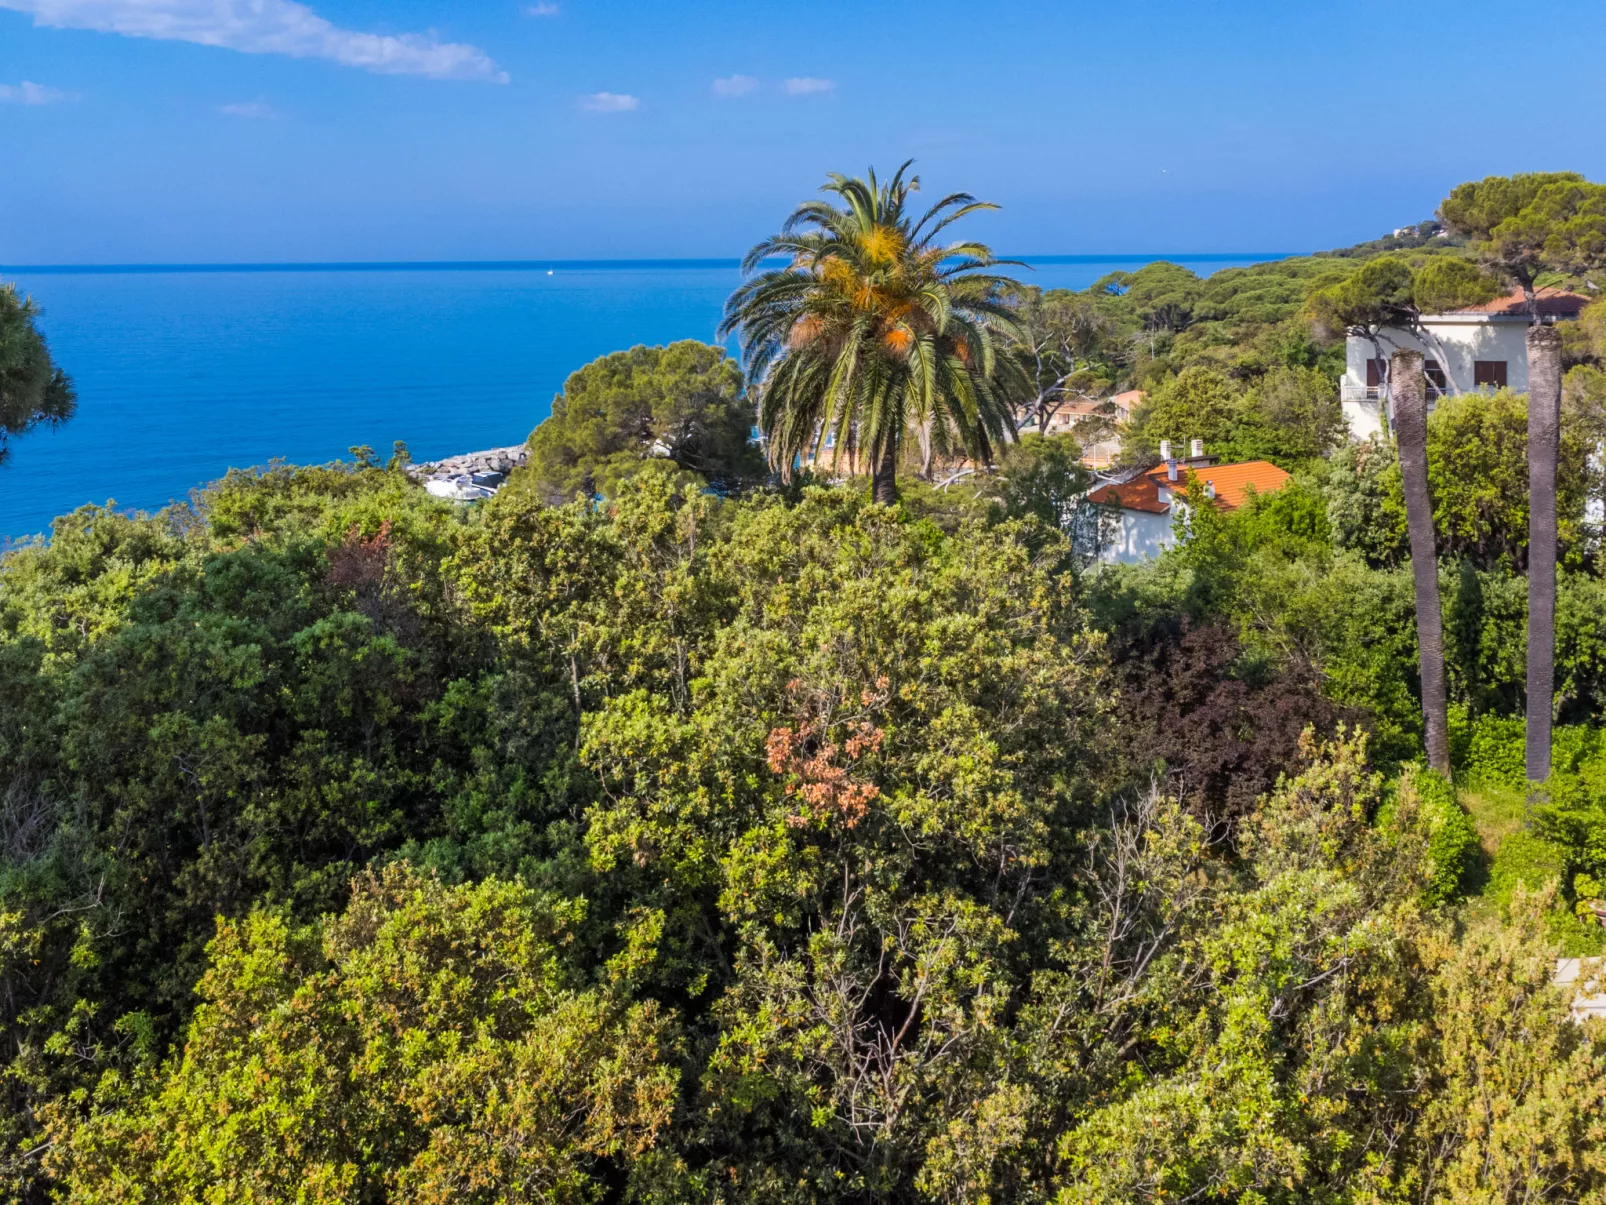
[[1141, 493], [1547, 300], [1232, 481], [1123, 405], [1082, 408]]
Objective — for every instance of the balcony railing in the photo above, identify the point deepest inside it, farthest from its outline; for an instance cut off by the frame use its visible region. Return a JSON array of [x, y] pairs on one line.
[[1353, 391]]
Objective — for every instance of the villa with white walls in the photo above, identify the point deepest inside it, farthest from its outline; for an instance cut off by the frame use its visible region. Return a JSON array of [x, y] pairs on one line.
[[1481, 348], [1145, 508]]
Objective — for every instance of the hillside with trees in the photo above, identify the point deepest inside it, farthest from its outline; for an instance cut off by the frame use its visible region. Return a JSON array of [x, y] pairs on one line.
[[668, 828]]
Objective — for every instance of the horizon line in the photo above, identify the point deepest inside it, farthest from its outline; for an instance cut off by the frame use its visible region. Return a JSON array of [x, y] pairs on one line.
[[516, 265]]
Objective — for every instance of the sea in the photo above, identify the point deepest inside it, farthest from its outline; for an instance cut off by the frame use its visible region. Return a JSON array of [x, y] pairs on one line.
[[184, 372]]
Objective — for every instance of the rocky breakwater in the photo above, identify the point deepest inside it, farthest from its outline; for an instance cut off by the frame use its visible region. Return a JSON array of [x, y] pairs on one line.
[[471, 476]]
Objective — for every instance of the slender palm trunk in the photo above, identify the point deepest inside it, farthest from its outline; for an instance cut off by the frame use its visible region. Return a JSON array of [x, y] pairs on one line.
[[1408, 387], [1544, 441], [884, 485]]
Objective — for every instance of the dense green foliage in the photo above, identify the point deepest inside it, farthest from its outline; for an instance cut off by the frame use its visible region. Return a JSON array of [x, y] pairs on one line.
[[32, 389], [789, 848], [649, 833], [1524, 226], [426, 1045], [683, 403], [1290, 416], [1452, 837]]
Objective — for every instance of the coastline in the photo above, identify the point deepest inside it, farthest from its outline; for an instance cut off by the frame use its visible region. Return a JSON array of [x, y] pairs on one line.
[[470, 475]]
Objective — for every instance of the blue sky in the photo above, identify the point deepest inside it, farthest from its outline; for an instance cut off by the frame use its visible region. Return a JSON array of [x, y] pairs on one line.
[[240, 130]]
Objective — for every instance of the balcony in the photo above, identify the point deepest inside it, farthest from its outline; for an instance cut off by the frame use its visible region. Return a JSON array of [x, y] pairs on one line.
[[1354, 391]]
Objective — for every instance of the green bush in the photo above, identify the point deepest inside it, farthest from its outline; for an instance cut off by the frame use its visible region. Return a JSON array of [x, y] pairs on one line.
[[1452, 837], [1528, 859], [1535, 862], [1491, 750]]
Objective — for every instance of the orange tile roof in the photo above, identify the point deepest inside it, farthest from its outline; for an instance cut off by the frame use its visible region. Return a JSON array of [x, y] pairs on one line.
[[1123, 403], [1232, 481], [1141, 493], [1548, 301], [1082, 407]]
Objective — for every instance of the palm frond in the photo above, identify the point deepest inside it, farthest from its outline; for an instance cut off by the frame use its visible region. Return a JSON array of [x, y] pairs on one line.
[[872, 329]]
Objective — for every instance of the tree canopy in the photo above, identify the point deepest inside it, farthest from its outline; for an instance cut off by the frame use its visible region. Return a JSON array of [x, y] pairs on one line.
[[33, 390], [638, 838], [425, 1045], [1525, 225], [1161, 295], [775, 848], [1388, 292], [1289, 416], [683, 403]]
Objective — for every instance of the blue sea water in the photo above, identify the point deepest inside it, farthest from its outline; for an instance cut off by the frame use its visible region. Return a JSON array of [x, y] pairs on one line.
[[183, 373]]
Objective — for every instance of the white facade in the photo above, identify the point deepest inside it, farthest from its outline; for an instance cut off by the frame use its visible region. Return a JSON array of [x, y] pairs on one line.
[[1582, 978], [1138, 535], [1454, 344]]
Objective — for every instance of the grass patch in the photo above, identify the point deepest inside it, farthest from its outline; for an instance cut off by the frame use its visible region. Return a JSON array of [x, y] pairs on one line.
[[1512, 855], [1497, 812]]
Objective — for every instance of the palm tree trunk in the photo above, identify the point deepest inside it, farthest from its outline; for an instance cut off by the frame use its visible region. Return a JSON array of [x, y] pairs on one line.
[[884, 485], [1408, 387], [1544, 439]]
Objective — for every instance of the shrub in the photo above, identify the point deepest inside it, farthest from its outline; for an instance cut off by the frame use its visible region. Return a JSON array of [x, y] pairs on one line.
[[1452, 839], [1524, 858], [1490, 750], [1222, 730]]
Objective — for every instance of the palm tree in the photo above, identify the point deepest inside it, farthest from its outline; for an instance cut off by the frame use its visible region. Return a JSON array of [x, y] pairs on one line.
[[1411, 433], [1544, 421], [872, 329]]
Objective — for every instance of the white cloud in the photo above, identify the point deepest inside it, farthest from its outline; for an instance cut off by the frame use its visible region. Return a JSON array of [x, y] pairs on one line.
[[543, 10], [734, 85], [803, 85], [251, 110], [266, 27], [30, 93], [609, 102]]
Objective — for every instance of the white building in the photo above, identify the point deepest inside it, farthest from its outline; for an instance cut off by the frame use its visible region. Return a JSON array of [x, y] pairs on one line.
[[1583, 980], [1474, 349], [1144, 506], [1115, 411]]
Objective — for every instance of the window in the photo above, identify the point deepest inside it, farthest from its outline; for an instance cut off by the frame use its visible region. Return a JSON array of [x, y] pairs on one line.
[[1374, 377], [1437, 382], [1489, 374]]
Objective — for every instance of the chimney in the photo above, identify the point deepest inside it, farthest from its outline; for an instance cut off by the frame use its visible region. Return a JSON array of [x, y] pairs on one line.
[[1170, 461], [1210, 486], [1196, 449]]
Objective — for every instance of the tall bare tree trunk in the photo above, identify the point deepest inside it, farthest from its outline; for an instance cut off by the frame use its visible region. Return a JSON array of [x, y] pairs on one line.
[[1409, 389], [1544, 441], [884, 485]]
